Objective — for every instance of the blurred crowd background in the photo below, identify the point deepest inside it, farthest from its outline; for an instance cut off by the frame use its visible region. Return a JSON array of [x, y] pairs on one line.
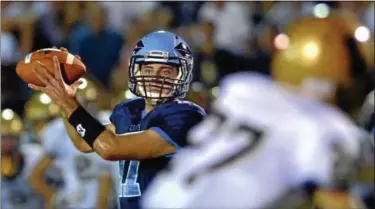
[[225, 37]]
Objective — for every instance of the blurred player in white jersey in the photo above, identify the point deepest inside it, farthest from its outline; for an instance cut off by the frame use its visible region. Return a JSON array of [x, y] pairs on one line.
[[39, 111], [273, 144], [367, 121], [88, 180], [16, 162], [367, 117]]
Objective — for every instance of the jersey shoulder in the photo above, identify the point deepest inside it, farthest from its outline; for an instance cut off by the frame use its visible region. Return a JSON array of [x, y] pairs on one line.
[[329, 117], [269, 104], [341, 127], [126, 114], [132, 104], [177, 111], [174, 120], [333, 125], [250, 90], [254, 98], [181, 107]]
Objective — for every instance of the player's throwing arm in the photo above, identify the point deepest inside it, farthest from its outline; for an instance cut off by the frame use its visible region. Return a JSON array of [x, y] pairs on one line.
[[142, 145]]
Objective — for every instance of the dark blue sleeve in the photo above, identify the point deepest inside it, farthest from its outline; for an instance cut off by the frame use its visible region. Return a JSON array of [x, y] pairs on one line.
[[173, 124], [125, 114]]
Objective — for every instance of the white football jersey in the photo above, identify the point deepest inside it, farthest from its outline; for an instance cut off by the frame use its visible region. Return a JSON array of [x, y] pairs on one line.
[[17, 193], [367, 115], [80, 170], [259, 143]]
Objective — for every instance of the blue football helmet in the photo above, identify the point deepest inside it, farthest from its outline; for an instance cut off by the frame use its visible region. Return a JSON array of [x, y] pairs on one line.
[[165, 48]]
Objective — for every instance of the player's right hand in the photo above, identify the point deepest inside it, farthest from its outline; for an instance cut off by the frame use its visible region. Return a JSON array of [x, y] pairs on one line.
[[55, 87]]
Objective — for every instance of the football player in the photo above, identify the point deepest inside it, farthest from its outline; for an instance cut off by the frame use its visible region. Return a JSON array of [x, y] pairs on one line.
[[145, 132], [273, 144], [17, 160], [39, 111], [87, 178]]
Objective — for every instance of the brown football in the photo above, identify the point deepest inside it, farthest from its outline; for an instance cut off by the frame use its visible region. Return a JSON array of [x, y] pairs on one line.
[[71, 67]]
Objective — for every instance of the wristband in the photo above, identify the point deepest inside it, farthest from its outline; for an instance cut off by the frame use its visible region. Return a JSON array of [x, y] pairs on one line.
[[86, 125]]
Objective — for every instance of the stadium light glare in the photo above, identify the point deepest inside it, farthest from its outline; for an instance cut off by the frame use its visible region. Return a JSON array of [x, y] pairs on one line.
[[321, 10], [281, 41], [44, 98], [7, 114], [362, 34]]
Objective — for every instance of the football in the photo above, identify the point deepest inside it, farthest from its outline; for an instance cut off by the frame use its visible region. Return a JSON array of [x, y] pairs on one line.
[[71, 67]]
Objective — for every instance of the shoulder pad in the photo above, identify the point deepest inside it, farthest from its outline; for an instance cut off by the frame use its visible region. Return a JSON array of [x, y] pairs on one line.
[[174, 112], [179, 107], [132, 104], [173, 121]]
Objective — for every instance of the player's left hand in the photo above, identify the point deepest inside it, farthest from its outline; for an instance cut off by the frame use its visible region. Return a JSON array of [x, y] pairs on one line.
[[61, 93]]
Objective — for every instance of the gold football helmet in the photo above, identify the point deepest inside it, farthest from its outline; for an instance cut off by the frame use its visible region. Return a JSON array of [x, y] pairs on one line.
[[88, 90], [40, 107], [39, 110], [91, 92], [328, 57], [11, 123]]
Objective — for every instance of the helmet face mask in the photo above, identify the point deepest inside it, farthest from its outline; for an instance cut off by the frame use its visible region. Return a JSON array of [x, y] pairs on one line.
[[157, 87], [162, 48]]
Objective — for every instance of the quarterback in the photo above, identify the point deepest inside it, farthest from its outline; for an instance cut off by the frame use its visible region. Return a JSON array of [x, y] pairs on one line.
[[145, 132], [279, 143]]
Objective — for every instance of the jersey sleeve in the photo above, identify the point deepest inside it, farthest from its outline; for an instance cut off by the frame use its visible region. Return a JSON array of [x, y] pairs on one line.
[[174, 125]]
